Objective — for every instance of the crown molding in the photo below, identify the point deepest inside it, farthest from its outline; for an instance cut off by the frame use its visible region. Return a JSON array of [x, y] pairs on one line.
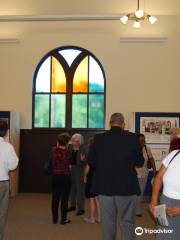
[[70, 17]]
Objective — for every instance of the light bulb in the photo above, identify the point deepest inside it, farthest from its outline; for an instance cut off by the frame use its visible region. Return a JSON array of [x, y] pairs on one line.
[[124, 19], [136, 24], [152, 19], [139, 13]]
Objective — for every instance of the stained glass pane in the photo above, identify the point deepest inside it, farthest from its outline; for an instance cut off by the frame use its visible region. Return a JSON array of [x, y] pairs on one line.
[[96, 78], [70, 55], [96, 111], [43, 77], [79, 111], [41, 118], [58, 106], [58, 77], [80, 81]]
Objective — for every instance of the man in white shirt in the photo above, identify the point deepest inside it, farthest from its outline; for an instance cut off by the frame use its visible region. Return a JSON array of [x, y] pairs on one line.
[[8, 162]]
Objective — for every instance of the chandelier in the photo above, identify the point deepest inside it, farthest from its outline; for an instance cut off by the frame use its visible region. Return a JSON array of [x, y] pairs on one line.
[[138, 16]]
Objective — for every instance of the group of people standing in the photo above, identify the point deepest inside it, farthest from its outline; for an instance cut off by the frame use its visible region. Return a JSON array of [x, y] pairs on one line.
[[71, 179], [111, 172], [115, 169]]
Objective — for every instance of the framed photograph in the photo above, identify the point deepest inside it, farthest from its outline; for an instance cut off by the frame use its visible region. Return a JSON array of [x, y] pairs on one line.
[[156, 126], [5, 116], [7, 138], [4, 120]]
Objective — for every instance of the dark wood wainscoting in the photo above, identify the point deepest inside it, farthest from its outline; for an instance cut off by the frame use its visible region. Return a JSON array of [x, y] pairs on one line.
[[35, 147]]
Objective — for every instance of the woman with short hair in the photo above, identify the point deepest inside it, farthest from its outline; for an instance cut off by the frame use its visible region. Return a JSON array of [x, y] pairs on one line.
[[61, 181]]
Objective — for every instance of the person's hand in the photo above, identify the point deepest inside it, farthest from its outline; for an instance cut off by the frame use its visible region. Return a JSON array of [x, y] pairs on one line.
[[152, 204], [85, 179], [82, 157], [173, 211]]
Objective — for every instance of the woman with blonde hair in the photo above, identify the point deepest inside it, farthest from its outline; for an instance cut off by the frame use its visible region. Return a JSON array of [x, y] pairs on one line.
[[94, 205]]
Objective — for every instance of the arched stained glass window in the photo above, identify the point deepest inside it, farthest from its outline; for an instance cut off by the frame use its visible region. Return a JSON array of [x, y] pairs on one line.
[[69, 90]]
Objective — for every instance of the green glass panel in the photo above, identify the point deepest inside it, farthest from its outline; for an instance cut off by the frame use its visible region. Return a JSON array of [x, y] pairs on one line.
[[96, 78], [79, 111], [96, 111], [58, 110], [41, 119]]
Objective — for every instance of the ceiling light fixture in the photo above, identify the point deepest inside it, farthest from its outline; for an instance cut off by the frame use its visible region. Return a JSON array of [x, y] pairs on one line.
[[138, 16]]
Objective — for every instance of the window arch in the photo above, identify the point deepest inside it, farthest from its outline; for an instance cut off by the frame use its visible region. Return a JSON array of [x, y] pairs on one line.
[[69, 90]]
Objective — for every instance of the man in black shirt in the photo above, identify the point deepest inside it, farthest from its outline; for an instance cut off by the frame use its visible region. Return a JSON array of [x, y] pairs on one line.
[[114, 156]]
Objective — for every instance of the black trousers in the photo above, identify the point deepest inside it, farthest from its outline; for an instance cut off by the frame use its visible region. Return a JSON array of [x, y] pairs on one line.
[[60, 193]]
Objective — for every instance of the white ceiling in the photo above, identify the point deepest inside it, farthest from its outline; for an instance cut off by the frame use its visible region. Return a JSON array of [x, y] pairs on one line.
[[35, 7]]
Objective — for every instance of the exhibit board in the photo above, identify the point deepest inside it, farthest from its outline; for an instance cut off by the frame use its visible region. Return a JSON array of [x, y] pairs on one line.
[[157, 128]]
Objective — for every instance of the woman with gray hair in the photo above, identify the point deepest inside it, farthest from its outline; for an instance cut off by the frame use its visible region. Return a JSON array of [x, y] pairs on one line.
[[77, 197]]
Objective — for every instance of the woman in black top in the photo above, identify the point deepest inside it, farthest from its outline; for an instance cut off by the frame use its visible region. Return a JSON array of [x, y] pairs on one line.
[[94, 207]]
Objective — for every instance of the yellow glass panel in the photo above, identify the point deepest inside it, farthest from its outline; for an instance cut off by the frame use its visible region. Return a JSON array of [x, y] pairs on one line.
[[58, 77], [80, 82]]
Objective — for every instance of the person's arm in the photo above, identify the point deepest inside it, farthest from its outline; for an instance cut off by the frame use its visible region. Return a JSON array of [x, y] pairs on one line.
[[83, 154], [153, 165], [69, 155], [12, 158], [91, 157], [82, 157], [86, 171], [157, 184], [151, 159], [138, 155], [173, 211]]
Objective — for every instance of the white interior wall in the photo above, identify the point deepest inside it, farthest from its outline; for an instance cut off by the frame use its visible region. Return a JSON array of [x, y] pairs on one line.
[[140, 76]]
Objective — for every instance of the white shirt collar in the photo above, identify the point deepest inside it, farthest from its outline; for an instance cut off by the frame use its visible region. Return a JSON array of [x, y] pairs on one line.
[[1, 139]]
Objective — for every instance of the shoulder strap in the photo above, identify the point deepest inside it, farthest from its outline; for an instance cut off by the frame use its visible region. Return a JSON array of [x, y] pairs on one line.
[[174, 156]]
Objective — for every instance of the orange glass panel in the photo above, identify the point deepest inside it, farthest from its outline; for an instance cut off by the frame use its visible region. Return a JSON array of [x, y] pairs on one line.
[[80, 81], [58, 77]]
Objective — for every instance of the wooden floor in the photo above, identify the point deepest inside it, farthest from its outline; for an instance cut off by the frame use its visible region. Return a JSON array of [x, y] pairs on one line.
[[29, 218]]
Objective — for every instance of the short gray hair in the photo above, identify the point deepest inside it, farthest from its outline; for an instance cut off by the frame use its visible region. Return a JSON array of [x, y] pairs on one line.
[[79, 137], [117, 118]]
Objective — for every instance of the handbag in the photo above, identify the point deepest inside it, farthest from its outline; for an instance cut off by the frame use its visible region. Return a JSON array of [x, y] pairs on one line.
[[47, 167]]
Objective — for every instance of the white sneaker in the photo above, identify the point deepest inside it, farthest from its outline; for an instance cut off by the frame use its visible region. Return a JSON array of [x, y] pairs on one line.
[[88, 220]]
